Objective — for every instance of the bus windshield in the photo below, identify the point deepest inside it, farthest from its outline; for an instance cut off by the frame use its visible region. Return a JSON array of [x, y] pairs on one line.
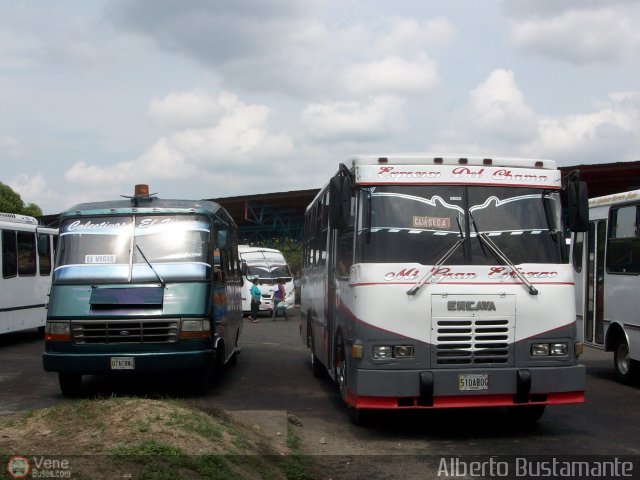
[[266, 266], [129, 248], [418, 224]]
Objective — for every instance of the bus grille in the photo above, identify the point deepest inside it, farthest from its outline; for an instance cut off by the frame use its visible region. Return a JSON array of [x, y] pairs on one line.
[[125, 331], [472, 341]]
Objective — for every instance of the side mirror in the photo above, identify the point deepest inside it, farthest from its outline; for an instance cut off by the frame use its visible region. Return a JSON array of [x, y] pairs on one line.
[[243, 267], [339, 202], [578, 206]]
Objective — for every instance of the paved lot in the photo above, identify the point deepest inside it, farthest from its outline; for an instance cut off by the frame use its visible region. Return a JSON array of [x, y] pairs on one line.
[[273, 375]]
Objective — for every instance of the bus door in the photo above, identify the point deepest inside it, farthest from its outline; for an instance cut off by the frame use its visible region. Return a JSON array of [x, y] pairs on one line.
[[331, 299], [594, 284]]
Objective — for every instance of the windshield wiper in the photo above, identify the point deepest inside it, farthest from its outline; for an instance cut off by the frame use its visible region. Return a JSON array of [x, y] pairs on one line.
[[500, 255], [162, 282], [427, 277], [548, 216]]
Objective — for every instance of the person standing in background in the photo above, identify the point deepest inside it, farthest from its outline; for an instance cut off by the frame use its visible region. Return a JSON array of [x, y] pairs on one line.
[[255, 300], [278, 300]]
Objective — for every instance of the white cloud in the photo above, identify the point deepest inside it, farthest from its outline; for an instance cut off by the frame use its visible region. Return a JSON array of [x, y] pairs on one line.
[[392, 75], [407, 35], [9, 145], [34, 190], [606, 135], [184, 109], [497, 120], [240, 135], [498, 105], [581, 36], [343, 121], [495, 115]]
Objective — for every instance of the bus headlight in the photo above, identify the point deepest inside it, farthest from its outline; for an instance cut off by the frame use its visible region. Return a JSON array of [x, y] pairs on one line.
[[57, 331], [403, 351], [559, 349], [540, 350], [382, 351], [195, 328]]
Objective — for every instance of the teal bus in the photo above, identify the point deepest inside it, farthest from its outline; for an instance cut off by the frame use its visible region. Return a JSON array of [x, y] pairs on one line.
[[144, 285]]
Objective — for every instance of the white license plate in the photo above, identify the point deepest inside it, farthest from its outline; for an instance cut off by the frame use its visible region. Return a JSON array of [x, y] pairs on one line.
[[123, 363], [473, 382]]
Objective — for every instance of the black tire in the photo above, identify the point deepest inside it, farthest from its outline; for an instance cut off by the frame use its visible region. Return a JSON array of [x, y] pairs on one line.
[[340, 366], [626, 369], [317, 369], [70, 384], [525, 415], [233, 361], [359, 417], [199, 380]]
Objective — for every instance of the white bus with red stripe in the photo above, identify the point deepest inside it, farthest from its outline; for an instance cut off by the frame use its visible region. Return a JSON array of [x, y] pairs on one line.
[[443, 281]]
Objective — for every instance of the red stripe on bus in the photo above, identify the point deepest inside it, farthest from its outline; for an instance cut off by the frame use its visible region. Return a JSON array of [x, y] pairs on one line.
[[461, 401], [369, 284]]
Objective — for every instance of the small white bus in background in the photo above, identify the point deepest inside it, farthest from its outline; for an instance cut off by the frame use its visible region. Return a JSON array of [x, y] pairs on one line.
[[26, 259], [268, 264], [606, 260]]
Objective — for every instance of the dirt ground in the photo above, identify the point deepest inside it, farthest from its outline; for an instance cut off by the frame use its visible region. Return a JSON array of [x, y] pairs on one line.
[[141, 438]]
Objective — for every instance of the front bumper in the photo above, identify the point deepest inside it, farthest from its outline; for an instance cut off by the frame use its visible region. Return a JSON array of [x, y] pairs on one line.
[[145, 362], [441, 388]]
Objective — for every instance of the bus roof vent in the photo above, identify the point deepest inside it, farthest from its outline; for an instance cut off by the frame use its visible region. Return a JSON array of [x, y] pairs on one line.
[[16, 218]]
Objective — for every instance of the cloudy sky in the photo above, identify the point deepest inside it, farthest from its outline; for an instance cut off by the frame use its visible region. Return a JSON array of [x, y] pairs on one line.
[[216, 98]]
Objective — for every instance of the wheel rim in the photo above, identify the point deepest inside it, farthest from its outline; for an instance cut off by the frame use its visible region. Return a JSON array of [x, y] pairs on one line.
[[341, 374], [623, 359]]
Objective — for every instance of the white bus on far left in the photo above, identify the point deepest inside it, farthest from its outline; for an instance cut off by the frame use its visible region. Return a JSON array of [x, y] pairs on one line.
[[26, 260]]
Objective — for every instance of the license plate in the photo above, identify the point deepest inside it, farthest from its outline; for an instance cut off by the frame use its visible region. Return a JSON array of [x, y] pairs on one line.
[[123, 363], [473, 382]]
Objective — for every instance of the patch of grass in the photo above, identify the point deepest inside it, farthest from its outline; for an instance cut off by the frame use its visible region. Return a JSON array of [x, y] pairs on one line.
[[154, 440], [147, 448], [198, 422], [298, 465], [164, 462]]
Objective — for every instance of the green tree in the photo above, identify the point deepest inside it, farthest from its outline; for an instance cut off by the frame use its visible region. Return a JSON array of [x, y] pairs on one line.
[[10, 202], [32, 210]]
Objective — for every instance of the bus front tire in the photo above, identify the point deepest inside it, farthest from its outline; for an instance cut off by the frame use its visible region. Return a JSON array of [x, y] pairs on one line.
[[626, 369], [199, 381], [317, 369], [70, 384], [341, 368]]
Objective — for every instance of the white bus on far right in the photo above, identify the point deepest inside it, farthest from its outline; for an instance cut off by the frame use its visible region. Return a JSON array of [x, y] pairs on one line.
[[606, 260]]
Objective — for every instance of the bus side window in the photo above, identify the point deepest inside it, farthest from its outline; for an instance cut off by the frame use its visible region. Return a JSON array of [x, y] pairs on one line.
[[623, 245], [26, 253], [44, 253], [9, 254]]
